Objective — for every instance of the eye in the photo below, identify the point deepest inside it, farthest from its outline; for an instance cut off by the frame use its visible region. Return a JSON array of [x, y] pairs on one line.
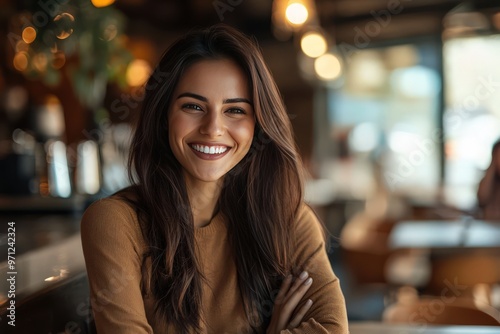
[[237, 111], [191, 106]]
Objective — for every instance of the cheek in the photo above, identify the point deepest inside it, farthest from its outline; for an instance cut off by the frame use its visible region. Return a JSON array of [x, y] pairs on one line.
[[177, 128], [245, 135]]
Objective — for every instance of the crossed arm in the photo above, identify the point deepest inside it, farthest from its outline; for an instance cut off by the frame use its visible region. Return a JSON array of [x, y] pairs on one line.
[[113, 256]]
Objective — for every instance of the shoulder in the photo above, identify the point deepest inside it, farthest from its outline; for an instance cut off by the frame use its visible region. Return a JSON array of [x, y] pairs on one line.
[[114, 214], [117, 203], [307, 226], [306, 219], [305, 212], [109, 206]]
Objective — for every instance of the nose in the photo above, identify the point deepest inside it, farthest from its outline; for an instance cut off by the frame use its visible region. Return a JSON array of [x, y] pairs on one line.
[[212, 124]]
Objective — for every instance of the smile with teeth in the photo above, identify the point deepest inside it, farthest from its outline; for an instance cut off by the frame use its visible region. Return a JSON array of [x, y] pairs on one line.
[[209, 149]]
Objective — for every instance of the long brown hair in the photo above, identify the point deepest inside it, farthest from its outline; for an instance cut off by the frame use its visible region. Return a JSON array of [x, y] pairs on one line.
[[259, 199]]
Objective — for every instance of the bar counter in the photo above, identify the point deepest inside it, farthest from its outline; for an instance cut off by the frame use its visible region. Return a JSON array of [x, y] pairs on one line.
[[51, 288]]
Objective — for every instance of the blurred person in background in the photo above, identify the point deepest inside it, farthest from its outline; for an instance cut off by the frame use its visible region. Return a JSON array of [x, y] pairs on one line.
[[488, 193]]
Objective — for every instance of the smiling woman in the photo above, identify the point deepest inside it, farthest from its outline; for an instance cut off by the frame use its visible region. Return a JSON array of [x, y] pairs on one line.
[[210, 131], [213, 237]]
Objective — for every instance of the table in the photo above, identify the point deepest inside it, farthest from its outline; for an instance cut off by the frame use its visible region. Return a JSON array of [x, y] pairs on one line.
[[467, 233], [441, 239], [383, 328]]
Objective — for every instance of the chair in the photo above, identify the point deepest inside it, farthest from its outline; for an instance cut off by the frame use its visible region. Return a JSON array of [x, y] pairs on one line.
[[464, 269], [423, 311], [365, 250]]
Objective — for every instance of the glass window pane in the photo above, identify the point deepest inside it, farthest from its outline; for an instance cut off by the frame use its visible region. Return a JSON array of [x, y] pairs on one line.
[[389, 108], [472, 109]]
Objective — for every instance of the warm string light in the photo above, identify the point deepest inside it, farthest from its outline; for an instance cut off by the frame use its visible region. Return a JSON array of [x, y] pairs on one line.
[[138, 72], [300, 16], [102, 3], [328, 67], [292, 15], [296, 13], [313, 44]]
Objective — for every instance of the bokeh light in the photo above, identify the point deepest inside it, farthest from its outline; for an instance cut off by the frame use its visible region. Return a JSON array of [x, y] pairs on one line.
[[29, 35], [102, 3], [327, 67], [20, 61], [313, 44], [296, 13], [138, 72], [64, 23], [364, 137]]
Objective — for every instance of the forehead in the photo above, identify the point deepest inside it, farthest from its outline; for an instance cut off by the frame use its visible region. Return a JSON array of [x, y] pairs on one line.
[[217, 77]]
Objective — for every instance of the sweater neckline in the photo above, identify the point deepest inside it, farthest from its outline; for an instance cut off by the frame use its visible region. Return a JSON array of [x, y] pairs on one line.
[[211, 228]]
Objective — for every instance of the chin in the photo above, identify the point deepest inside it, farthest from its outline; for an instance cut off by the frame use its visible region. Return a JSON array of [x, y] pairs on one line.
[[210, 178]]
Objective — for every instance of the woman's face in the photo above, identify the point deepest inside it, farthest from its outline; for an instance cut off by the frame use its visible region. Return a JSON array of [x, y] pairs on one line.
[[211, 119]]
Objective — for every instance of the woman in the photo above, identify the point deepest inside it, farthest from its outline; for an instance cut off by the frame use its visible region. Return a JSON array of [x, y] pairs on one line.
[[213, 237], [488, 192]]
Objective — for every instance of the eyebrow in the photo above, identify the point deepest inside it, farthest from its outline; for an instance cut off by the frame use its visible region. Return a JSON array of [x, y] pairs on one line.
[[204, 99]]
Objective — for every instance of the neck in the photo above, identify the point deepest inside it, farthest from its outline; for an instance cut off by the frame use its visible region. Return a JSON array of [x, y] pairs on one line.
[[203, 197]]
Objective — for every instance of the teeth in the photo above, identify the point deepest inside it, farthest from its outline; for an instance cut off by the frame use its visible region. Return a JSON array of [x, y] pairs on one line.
[[210, 149]]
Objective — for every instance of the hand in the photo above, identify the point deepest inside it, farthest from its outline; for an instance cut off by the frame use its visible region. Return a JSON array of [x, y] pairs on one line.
[[286, 303]]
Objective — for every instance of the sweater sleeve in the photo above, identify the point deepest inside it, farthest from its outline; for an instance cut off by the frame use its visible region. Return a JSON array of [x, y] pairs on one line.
[[113, 256], [328, 312]]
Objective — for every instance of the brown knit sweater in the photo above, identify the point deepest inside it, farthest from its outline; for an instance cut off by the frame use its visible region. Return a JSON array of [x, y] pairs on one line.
[[113, 247]]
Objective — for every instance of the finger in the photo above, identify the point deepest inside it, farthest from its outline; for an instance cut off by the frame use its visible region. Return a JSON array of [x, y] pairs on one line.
[[298, 282], [285, 285], [292, 301], [297, 319]]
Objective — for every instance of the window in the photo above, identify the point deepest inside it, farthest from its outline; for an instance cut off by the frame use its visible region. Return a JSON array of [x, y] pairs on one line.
[[387, 110], [471, 117]]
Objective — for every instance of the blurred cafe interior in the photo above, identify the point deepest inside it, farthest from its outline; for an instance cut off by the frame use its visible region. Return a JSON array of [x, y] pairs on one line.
[[395, 106]]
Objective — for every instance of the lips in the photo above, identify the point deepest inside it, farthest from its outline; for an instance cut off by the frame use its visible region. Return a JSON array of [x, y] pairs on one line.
[[209, 149], [209, 152]]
